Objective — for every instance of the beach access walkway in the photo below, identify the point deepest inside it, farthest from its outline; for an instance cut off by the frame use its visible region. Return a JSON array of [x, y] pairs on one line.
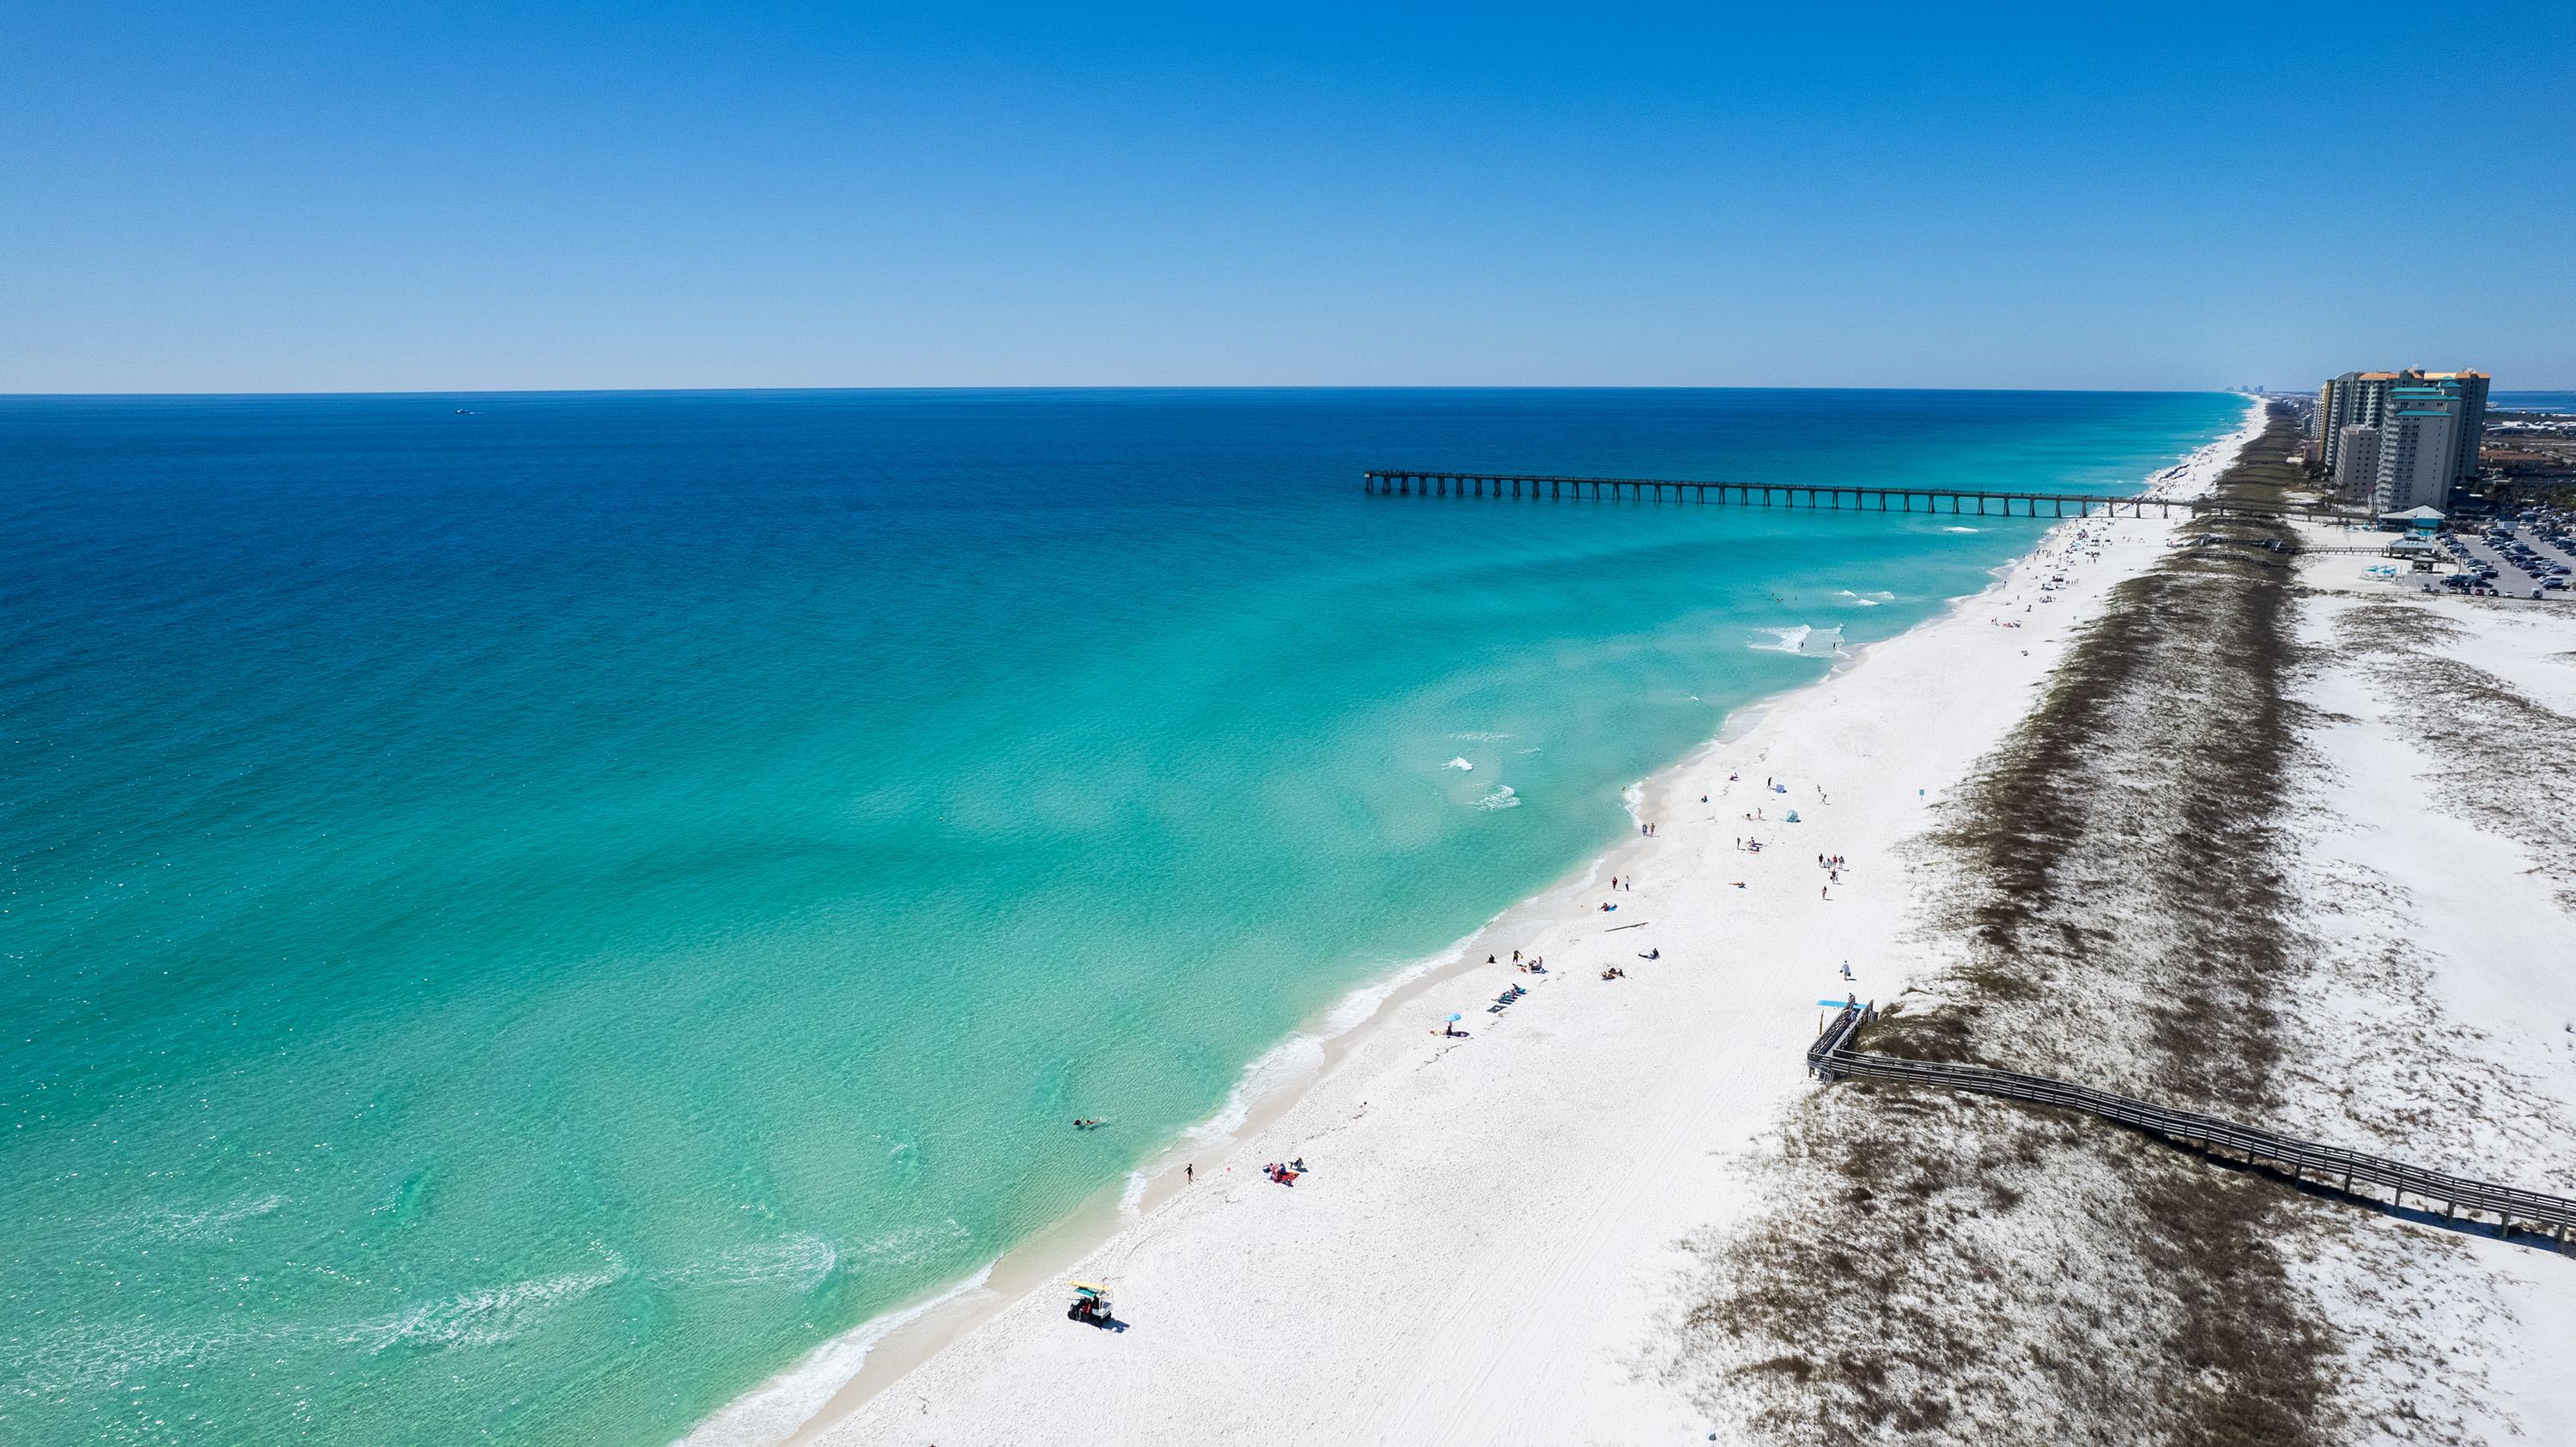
[[1946, 501], [2306, 1163]]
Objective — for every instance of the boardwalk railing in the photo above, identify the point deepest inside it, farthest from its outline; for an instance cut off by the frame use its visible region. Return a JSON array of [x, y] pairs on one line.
[[1948, 501], [1833, 1058]]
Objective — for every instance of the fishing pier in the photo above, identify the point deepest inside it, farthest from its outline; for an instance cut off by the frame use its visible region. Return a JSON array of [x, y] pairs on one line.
[[1949, 502]]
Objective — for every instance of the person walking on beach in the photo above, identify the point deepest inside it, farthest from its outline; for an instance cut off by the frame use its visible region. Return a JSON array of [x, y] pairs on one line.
[[1190, 1170]]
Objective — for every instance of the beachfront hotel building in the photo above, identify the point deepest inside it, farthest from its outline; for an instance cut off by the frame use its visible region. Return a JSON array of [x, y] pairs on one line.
[[2366, 408], [2419, 448], [2356, 460]]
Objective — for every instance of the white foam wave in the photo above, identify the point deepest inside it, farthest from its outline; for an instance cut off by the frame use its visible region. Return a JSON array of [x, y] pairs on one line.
[[1281, 1066], [1461, 765], [1802, 639], [912, 1243], [184, 1225], [80, 1360], [483, 1318], [772, 1412], [802, 1260], [1503, 797], [1481, 738], [1961, 530], [1301, 1056]]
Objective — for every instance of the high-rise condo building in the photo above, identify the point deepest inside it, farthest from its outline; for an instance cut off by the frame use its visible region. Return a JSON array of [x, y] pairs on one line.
[[2367, 399], [2356, 454], [2419, 447]]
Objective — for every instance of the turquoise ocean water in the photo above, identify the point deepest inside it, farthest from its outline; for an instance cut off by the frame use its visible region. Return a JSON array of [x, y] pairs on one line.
[[527, 914]]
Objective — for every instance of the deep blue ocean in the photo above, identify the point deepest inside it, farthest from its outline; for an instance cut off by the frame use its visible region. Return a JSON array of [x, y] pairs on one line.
[[526, 914]]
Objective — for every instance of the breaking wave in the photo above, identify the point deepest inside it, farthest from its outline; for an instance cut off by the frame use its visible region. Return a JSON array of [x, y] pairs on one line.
[[1802, 639]]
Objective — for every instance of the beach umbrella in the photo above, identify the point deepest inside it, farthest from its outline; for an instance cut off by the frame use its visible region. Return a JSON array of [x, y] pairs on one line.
[[1454, 1019]]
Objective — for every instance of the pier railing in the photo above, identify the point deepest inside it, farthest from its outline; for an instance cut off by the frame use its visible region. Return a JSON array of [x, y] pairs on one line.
[[2303, 1161], [1957, 502]]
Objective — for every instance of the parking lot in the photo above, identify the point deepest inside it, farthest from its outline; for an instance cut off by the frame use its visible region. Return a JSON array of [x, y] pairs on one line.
[[2516, 559]]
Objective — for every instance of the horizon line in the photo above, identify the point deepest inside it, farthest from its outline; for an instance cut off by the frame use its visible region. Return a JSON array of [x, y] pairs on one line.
[[1120, 387]]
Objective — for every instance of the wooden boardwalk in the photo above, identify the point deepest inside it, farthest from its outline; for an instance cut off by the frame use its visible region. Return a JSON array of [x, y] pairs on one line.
[[1946, 501], [2302, 1161]]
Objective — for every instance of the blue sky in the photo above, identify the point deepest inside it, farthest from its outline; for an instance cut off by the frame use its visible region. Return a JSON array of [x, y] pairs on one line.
[[355, 197]]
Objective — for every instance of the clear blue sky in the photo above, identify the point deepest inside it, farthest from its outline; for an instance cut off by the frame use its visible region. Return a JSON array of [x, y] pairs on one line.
[[360, 197]]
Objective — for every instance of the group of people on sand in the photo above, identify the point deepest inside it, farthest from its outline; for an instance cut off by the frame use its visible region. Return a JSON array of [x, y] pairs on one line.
[[1285, 1172], [1649, 828]]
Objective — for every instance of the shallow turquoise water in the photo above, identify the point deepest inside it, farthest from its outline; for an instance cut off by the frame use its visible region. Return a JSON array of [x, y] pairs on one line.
[[526, 914]]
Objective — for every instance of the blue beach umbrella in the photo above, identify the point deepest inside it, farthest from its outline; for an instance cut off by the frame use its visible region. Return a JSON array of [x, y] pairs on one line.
[[1454, 1019]]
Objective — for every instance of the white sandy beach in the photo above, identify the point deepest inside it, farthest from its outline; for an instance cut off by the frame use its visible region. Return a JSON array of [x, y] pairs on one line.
[[1485, 1247], [1486, 1234]]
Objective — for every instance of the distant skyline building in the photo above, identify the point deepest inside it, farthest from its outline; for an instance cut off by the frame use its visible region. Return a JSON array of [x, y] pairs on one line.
[[2452, 403]]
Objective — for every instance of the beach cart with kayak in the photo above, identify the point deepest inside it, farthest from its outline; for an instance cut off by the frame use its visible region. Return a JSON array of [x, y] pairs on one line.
[[1090, 1304]]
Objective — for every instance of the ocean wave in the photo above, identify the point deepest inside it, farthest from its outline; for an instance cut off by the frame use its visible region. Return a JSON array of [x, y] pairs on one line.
[[1461, 765], [187, 1225], [1503, 797], [482, 1318], [773, 1411], [913, 1243], [1481, 738], [1802, 639], [1957, 529], [802, 1260], [1867, 600], [79, 1359], [1275, 1069]]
